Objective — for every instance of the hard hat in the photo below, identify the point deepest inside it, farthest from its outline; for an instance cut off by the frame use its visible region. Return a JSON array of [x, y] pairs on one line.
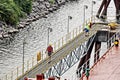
[[50, 44]]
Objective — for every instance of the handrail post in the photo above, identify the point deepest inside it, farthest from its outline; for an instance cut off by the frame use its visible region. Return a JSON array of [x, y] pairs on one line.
[[17, 72], [62, 41], [32, 61], [66, 38], [83, 26], [73, 33], [42, 55], [6, 76], [91, 18], [58, 43], [70, 35], [11, 75], [27, 65], [54, 45], [94, 18], [76, 31], [23, 69]]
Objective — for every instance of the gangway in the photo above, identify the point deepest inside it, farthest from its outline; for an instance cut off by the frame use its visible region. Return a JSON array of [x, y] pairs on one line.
[[60, 57], [62, 60], [67, 53], [65, 57]]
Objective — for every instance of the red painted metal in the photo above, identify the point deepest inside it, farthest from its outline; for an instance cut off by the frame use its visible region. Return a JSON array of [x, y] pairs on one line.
[[100, 9], [86, 57], [25, 78], [51, 78], [104, 6], [108, 68], [104, 13], [40, 76], [97, 48]]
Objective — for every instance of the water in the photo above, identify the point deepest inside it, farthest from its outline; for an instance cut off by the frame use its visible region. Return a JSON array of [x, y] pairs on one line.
[[35, 34]]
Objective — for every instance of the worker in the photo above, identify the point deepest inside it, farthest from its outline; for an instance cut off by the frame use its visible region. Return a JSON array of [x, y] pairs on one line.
[[86, 30], [49, 51], [116, 43], [90, 24], [87, 73]]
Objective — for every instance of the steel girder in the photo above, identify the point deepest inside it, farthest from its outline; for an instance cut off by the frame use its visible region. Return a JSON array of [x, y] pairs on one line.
[[63, 65], [104, 6]]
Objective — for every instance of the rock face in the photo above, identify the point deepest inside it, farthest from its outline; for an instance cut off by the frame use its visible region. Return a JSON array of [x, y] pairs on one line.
[[40, 9]]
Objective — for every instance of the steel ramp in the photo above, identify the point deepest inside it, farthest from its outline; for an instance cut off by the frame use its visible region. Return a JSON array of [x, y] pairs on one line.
[[60, 54]]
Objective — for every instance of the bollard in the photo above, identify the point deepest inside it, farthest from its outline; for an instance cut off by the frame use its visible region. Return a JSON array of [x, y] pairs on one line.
[[25, 78], [51, 78], [40, 76]]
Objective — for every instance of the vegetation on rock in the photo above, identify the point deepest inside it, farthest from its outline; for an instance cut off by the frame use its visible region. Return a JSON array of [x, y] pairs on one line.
[[12, 10]]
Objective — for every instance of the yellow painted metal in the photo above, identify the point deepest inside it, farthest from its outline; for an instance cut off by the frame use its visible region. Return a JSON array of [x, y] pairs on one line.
[[38, 56], [112, 25]]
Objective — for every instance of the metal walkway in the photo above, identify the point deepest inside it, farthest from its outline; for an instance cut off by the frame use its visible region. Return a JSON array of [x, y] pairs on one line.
[[108, 68], [58, 58], [66, 56]]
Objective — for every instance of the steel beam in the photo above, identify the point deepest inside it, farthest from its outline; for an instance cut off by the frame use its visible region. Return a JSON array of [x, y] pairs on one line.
[[101, 7], [104, 13], [63, 65]]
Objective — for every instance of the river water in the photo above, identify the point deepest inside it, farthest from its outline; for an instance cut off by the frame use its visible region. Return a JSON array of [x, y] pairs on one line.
[[35, 34]]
